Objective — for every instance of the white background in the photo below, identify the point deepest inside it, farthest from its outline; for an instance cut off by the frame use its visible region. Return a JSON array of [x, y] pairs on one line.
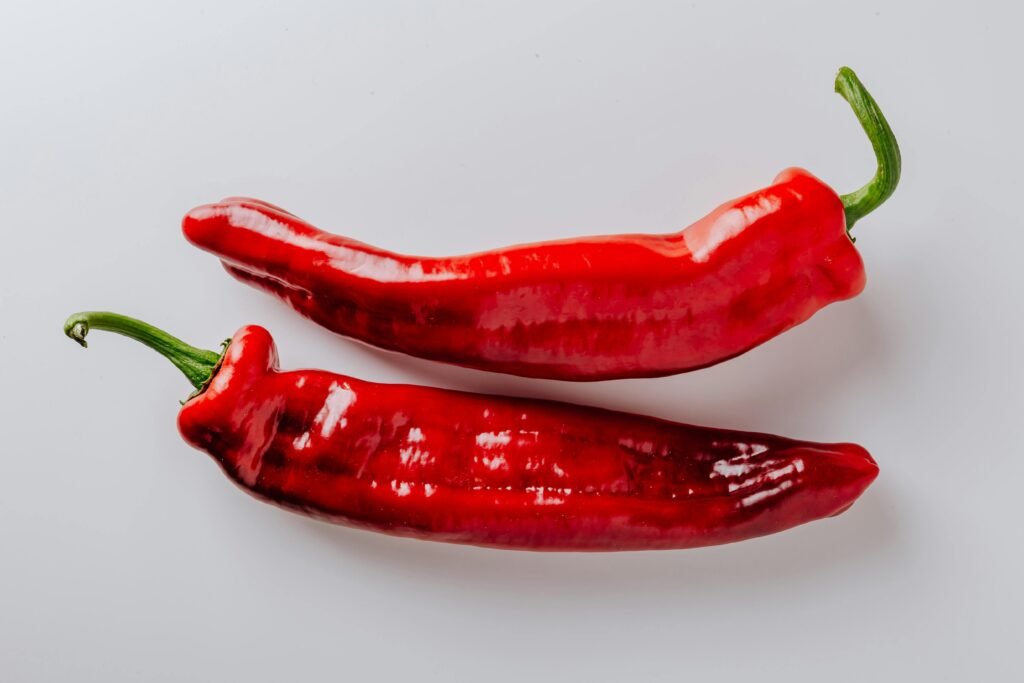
[[449, 127]]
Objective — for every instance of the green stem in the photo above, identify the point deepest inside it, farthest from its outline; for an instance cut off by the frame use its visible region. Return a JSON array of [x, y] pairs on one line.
[[198, 365], [868, 198]]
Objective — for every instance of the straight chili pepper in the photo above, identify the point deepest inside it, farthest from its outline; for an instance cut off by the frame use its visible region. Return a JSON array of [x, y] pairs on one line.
[[485, 470], [582, 309]]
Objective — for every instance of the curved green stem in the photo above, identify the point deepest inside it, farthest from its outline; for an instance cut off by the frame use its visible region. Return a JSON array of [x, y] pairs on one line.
[[198, 365], [868, 198]]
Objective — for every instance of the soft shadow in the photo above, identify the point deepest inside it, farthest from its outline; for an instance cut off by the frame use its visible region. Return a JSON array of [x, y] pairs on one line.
[[801, 370], [856, 536]]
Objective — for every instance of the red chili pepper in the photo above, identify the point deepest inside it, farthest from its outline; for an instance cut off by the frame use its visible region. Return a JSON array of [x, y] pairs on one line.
[[469, 468], [582, 309]]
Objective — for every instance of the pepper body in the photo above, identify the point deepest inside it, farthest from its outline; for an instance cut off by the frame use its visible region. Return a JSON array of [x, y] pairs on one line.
[[583, 309], [518, 473]]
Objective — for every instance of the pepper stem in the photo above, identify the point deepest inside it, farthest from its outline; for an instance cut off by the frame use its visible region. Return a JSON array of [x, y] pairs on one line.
[[198, 365], [868, 198]]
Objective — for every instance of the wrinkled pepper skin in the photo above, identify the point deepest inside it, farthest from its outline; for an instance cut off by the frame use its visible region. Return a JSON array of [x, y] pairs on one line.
[[503, 472], [582, 309]]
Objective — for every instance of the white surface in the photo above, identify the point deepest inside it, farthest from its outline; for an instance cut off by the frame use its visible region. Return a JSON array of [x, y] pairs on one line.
[[443, 127]]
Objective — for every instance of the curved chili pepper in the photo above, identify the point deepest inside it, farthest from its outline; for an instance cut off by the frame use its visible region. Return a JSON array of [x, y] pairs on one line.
[[582, 309], [469, 468]]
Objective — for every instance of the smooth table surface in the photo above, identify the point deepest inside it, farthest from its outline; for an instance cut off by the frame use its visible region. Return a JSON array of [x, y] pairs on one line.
[[448, 127]]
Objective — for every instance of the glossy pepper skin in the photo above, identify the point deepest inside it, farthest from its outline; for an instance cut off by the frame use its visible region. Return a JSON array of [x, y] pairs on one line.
[[583, 309], [503, 472]]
